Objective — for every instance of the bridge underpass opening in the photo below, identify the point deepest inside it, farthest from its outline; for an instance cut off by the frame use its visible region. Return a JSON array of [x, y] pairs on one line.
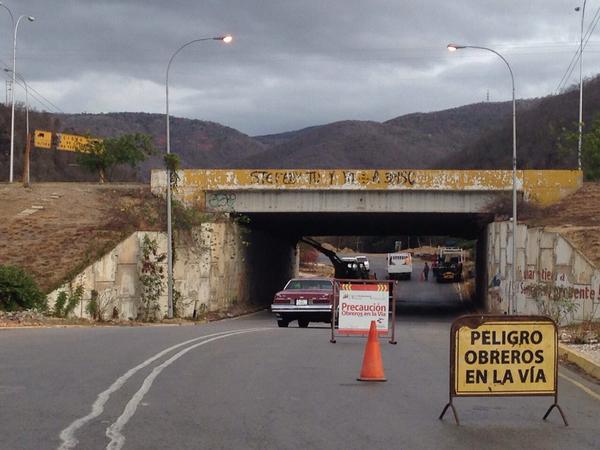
[[291, 227], [285, 204]]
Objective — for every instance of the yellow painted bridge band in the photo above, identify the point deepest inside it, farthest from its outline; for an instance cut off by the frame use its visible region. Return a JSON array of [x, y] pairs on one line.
[[542, 186]]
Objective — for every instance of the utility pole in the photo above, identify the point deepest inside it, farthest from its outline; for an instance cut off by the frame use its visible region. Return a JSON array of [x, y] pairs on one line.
[[26, 162], [8, 92]]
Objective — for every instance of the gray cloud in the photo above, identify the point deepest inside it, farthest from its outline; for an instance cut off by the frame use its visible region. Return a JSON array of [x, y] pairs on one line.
[[293, 63]]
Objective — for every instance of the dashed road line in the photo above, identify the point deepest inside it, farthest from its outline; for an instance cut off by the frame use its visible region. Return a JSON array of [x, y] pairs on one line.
[[67, 436]]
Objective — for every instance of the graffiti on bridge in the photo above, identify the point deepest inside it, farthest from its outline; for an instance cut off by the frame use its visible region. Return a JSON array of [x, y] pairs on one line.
[[333, 177], [221, 200]]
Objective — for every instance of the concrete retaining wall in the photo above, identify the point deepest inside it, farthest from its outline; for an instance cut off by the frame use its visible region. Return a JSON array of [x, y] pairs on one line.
[[550, 272], [217, 266]]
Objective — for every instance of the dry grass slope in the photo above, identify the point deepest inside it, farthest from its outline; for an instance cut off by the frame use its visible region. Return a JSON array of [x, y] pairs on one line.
[[577, 217], [54, 230]]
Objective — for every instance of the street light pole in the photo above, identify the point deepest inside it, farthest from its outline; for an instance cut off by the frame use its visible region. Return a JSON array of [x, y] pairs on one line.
[[12, 120], [227, 39], [512, 308], [580, 86], [26, 159]]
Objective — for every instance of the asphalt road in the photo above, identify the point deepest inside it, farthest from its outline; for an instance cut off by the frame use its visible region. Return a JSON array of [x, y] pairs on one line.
[[186, 387]]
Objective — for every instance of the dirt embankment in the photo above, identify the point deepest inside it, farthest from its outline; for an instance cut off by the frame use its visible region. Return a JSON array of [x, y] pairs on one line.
[[577, 217], [54, 230]]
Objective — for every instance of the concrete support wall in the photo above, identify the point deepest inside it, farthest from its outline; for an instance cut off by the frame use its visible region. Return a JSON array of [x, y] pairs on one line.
[[551, 273], [217, 266], [481, 278]]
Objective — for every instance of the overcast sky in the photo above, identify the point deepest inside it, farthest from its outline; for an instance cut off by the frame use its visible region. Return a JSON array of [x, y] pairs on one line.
[[293, 63]]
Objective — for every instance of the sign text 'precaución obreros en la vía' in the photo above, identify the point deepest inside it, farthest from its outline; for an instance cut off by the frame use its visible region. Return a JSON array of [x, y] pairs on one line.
[[359, 304]]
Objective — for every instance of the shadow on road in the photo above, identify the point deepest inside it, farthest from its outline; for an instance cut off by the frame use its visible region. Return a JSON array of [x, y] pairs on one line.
[[434, 308]]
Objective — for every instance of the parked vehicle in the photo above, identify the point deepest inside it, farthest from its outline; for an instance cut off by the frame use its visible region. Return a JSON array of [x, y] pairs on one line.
[[399, 266], [305, 300], [449, 264]]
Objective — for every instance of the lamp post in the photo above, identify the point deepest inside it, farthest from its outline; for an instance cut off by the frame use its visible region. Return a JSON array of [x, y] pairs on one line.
[[27, 144], [227, 39], [12, 120], [513, 290], [580, 85], [26, 97]]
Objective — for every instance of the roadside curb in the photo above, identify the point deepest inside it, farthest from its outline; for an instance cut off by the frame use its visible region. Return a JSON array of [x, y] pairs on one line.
[[580, 360], [186, 323]]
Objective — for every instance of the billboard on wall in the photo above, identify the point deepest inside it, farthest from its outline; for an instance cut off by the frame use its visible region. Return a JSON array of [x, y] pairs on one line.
[[359, 304]]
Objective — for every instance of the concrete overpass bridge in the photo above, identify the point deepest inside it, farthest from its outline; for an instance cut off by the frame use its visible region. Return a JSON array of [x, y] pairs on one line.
[[284, 205], [316, 202]]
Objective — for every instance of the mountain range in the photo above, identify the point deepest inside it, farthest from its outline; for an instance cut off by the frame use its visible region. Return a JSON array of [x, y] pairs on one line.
[[472, 136]]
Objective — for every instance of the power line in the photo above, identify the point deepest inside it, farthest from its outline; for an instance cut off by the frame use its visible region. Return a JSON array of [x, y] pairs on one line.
[[566, 76], [35, 94], [45, 103]]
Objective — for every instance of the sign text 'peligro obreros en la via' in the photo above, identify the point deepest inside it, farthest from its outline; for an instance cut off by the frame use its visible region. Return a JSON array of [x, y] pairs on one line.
[[503, 356], [499, 358]]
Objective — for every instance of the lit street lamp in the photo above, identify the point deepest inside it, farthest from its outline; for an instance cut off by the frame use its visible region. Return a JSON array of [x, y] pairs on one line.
[[12, 120], [227, 39], [513, 290]]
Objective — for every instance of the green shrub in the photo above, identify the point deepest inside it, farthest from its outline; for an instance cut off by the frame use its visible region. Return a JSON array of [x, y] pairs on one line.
[[66, 302], [59, 304], [74, 300], [93, 308], [19, 291]]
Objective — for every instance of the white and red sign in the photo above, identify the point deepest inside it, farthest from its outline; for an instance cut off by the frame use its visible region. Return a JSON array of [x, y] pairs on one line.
[[359, 304]]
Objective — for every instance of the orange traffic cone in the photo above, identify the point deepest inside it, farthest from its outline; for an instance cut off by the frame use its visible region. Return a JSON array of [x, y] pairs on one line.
[[372, 366]]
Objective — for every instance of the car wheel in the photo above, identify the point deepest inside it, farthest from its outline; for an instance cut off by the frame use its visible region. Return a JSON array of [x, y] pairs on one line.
[[282, 323], [303, 323]]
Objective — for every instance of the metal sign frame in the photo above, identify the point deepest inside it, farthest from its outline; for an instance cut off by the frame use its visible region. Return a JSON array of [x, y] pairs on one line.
[[336, 295], [475, 321]]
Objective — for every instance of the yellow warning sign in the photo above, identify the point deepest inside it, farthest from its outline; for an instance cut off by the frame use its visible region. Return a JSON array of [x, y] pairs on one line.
[[511, 356], [72, 142], [42, 139], [62, 141]]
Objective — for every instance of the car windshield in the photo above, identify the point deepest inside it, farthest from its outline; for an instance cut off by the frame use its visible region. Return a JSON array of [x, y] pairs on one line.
[[308, 284]]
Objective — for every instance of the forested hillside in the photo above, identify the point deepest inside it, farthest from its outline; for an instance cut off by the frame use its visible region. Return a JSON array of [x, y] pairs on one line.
[[471, 136], [540, 129]]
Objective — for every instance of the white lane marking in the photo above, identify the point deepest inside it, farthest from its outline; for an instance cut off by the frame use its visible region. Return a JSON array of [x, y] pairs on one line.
[[117, 440], [581, 386], [67, 435]]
